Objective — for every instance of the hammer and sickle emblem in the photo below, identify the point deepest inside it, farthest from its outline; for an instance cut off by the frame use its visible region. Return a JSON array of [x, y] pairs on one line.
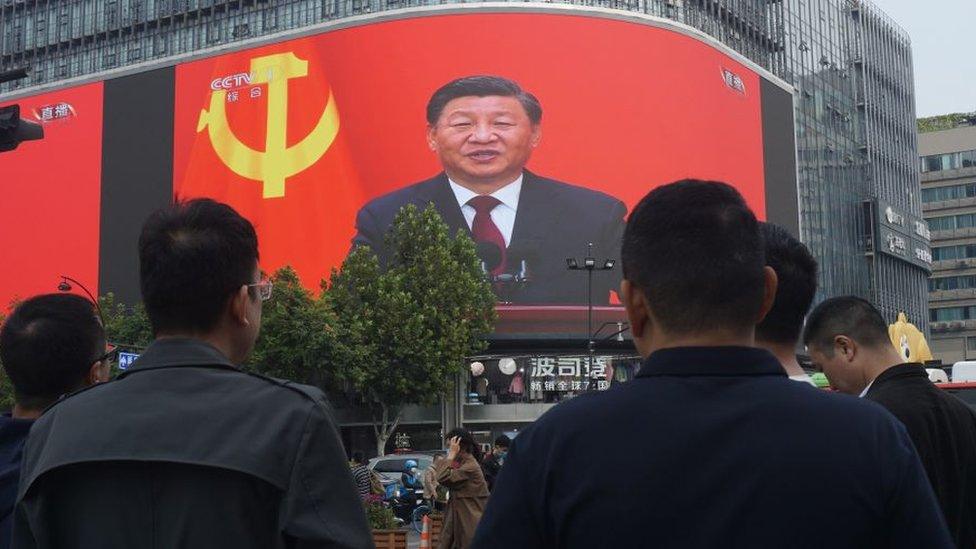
[[278, 161]]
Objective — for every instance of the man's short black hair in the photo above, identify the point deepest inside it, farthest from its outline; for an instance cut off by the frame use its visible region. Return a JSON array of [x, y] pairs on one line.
[[48, 345], [503, 441], [693, 247], [796, 271], [193, 256], [482, 86], [850, 316]]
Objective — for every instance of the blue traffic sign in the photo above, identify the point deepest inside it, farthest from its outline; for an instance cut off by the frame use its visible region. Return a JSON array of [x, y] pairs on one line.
[[126, 360]]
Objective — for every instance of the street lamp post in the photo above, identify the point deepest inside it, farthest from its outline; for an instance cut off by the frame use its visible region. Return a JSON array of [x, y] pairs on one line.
[[589, 265], [65, 286]]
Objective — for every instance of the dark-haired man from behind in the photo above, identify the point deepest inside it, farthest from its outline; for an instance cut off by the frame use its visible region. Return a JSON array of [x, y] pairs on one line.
[[50, 345], [184, 449], [796, 276], [713, 445], [848, 339]]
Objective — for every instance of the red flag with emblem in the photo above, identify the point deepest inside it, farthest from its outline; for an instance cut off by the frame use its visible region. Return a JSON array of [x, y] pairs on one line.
[[262, 131]]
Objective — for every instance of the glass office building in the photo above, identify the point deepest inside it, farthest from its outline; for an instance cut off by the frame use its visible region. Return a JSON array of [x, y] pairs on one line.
[[850, 65]]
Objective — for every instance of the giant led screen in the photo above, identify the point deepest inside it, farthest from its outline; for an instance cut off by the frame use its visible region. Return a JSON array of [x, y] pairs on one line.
[[51, 195], [321, 140], [533, 130]]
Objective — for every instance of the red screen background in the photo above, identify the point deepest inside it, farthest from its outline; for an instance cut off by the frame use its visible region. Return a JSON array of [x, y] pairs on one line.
[[626, 106], [52, 191]]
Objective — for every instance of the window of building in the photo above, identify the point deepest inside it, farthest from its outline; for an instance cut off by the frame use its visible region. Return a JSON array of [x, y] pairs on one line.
[[949, 161], [947, 314], [971, 343], [952, 313], [951, 192], [952, 283], [967, 159], [950, 222]]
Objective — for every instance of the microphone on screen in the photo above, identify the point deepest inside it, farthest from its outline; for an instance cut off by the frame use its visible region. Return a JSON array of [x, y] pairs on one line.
[[490, 255]]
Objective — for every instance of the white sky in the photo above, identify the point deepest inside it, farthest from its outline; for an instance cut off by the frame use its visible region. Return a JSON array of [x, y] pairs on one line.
[[944, 48]]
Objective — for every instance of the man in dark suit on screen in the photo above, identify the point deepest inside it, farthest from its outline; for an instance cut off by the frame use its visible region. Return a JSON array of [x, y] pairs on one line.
[[483, 129]]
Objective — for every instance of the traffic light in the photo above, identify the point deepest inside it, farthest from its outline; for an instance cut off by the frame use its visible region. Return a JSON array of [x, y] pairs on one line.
[[14, 131]]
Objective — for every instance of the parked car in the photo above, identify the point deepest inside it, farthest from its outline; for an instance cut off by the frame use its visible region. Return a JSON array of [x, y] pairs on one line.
[[965, 391], [390, 467]]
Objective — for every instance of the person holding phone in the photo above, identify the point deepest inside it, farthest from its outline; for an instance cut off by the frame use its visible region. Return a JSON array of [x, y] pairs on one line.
[[461, 474]]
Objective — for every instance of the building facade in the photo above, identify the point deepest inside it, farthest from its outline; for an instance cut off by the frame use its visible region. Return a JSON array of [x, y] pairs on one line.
[[948, 166], [849, 65]]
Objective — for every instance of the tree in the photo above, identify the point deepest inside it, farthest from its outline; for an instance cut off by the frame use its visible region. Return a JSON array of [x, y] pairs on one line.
[[6, 388], [126, 326], [296, 334], [945, 121], [403, 331]]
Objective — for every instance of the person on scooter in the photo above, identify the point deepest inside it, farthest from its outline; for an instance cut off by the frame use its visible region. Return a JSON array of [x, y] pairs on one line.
[[410, 478]]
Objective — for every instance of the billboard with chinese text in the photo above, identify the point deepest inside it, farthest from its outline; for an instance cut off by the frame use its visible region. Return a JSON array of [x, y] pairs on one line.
[[321, 147], [320, 139]]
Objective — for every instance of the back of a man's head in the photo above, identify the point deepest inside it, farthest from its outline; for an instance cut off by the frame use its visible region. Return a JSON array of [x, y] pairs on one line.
[[193, 256], [48, 346], [848, 316], [693, 248], [796, 275]]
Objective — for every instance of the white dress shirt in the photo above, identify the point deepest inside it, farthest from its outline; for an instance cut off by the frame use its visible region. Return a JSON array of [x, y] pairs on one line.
[[503, 215], [866, 389], [804, 378]]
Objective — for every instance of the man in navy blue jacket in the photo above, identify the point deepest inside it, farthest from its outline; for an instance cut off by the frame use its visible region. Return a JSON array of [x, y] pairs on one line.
[[711, 445], [50, 345]]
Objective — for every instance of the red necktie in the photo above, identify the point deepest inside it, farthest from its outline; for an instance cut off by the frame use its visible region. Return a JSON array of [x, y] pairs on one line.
[[484, 229]]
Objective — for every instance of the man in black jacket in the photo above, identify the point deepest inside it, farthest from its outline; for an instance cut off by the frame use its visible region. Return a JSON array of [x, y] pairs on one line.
[[184, 449], [483, 130], [848, 339], [711, 445], [50, 345]]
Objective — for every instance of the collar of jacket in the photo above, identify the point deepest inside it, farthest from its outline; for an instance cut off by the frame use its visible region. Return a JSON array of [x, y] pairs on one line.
[[172, 352], [711, 361], [906, 369]]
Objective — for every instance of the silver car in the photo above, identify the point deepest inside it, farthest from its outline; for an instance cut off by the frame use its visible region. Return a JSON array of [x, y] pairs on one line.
[[391, 466]]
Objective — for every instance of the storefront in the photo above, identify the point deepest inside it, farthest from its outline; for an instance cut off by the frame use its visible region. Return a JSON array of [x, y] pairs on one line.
[[537, 358]]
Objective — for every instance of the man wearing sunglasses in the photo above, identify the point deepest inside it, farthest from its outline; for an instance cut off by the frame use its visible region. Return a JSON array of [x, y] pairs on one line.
[[50, 345], [184, 449]]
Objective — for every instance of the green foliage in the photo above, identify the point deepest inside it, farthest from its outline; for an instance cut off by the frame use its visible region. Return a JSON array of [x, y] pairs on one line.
[[380, 516], [6, 388], [944, 121], [296, 334], [403, 332], [126, 327]]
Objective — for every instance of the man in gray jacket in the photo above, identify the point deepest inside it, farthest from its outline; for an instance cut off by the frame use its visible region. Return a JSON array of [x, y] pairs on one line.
[[184, 449]]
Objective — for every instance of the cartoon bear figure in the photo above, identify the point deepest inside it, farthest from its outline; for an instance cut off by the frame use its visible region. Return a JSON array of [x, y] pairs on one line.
[[909, 340]]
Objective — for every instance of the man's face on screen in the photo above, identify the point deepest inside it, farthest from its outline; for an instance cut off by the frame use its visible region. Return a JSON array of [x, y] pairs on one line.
[[483, 142]]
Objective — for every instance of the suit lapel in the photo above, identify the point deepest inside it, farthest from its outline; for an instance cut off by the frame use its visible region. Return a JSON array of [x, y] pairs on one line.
[[536, 214], [439, 192]]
